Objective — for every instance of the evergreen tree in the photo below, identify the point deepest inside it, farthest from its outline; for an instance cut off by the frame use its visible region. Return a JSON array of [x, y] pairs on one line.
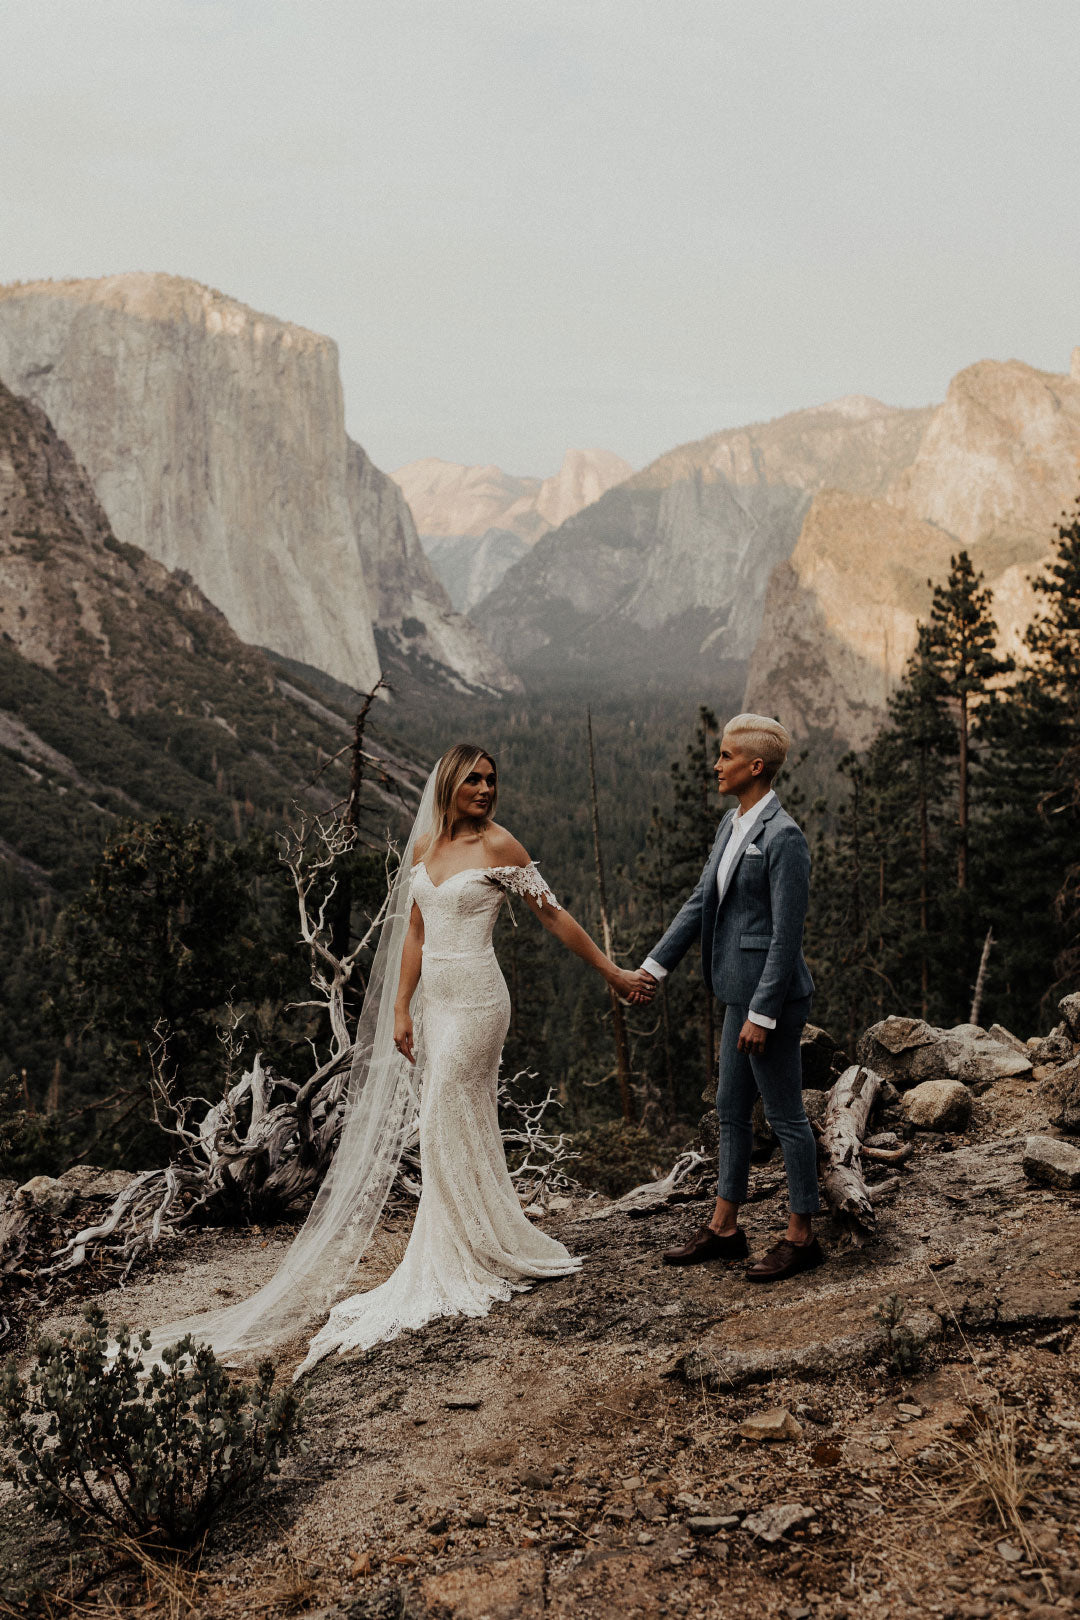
[[962, 637], [1031, 788]]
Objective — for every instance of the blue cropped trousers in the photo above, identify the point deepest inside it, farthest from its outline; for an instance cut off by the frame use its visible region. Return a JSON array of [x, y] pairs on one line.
[[777, 1078]]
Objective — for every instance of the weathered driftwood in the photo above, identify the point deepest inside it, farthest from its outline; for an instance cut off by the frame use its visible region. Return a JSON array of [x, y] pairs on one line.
[[652, 1196], [263, 1150], [847, 1115]]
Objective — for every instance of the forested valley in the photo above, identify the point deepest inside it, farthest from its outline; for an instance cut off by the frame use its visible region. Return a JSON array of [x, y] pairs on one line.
[[946, 885]]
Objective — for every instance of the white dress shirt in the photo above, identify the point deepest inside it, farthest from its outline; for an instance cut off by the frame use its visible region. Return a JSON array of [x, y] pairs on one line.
[[742, 831]]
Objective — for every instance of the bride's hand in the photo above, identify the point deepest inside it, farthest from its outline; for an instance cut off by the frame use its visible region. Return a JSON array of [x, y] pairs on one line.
[[637, 988], [403, 1035]]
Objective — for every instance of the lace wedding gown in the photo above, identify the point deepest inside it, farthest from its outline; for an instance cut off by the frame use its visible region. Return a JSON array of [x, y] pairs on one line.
[[471, 1243]]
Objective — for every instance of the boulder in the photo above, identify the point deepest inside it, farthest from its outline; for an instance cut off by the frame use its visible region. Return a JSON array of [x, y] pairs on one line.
[[908, 1051], [1005, 1037], [1059, 1094], [44, 1192], [938, 1105], [822, 1059], [1057, 1047], [1069, 1008], [1050, 1160]]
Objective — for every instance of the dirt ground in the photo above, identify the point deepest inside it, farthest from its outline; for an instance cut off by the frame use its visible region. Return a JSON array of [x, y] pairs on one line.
[[577, 1452]]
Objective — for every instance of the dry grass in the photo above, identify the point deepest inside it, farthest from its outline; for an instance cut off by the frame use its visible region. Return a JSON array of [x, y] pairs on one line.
[[988, 1474]]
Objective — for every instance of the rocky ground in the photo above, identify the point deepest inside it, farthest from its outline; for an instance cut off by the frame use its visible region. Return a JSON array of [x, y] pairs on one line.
[[645, 1441]]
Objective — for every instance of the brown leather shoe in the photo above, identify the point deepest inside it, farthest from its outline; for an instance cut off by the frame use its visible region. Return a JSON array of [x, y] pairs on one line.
[[708, 1245], [786, 1259]]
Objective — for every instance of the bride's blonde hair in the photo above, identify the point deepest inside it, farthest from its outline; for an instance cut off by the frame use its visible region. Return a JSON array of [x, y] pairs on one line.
[[454, 767]]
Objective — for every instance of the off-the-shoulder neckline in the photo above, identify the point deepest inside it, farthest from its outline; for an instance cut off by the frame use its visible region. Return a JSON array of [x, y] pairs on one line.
[[464, 870]]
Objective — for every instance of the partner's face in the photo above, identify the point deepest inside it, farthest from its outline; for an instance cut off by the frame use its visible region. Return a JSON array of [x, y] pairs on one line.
[[476, 793], [735, 770]]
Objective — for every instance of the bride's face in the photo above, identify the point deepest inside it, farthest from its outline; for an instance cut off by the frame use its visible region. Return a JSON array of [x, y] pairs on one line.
[[476, 794]]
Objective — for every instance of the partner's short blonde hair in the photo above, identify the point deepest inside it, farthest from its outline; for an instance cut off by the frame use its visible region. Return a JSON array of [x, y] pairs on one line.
[[760, 738]]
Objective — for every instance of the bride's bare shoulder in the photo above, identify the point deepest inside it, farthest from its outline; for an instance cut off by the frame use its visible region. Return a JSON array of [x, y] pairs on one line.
[[504, 848]]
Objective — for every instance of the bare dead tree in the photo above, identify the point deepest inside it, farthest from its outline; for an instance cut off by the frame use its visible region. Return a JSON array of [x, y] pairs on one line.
[[618, 1016], [980, 978], [266, 1145]]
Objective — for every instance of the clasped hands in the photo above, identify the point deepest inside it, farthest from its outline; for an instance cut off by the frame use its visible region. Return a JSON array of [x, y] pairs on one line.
[[636, 988]]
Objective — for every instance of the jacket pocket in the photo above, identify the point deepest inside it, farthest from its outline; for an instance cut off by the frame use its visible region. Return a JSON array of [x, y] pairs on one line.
[[755, 942]]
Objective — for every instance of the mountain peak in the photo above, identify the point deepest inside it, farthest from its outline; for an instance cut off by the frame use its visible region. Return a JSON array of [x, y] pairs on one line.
[[156, 296]]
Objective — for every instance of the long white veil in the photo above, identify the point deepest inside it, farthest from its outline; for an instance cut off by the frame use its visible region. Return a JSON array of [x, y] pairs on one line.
[[380, 1106]]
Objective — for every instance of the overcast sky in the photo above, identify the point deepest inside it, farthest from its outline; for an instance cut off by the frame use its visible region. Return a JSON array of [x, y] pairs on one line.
[[538, 223]]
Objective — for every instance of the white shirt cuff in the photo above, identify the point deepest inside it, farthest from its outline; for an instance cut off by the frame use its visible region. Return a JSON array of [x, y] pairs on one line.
[[651, 966], [759, 1019]]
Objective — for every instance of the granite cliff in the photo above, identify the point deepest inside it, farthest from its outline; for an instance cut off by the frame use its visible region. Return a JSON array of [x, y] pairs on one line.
[[996, 466], [478, 521], [214, 438], [672, 564], [123, 690]]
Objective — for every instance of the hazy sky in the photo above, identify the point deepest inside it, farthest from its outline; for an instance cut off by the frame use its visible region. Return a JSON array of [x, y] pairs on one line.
[[538, 223]]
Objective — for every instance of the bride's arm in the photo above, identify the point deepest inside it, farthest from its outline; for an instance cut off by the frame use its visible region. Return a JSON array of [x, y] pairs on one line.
[[557, 920], [573, 936], [411, 958]]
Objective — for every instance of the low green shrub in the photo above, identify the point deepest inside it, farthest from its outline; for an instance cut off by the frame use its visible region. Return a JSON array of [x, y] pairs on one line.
[[100, 1441]]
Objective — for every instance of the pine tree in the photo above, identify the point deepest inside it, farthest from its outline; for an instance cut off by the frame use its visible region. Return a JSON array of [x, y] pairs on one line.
[[963, 639], [924, 741], [1028, 877]]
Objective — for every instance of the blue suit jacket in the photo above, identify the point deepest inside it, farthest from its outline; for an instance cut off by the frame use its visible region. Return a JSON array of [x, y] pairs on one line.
[[751, 941]]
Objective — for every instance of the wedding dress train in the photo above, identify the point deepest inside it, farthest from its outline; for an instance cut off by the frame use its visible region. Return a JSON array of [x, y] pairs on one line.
[[471, 1243]]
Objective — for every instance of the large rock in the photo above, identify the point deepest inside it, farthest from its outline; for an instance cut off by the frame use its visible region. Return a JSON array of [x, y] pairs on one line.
[[1060, 1095], [822, 1059], [908, 1051], [1050, 1160], [214, 437], [938, 1105], [1069, 1008]]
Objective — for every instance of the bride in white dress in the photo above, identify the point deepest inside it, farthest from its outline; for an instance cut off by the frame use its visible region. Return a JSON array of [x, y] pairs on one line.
[[471, 1242], [428, 1039]]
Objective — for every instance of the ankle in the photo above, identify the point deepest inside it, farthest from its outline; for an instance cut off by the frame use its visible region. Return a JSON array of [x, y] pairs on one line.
[[727, 1228]]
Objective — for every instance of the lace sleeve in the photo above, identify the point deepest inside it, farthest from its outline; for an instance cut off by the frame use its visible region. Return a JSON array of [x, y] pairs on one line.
[[526, 881]]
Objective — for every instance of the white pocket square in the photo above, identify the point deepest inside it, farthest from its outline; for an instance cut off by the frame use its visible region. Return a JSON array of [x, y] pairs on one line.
[[752, 849]]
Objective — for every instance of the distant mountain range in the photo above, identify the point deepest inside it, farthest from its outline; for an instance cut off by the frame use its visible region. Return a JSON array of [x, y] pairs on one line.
[[475, 522], [664, 577], [791, 557], [214, 438]]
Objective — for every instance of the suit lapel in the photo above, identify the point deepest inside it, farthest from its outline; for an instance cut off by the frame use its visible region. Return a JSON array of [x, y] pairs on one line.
[[759, 824], [722, 835]]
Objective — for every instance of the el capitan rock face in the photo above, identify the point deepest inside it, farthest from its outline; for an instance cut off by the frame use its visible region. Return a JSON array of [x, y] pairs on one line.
[[673, 564], [214, 438], [998, 463]]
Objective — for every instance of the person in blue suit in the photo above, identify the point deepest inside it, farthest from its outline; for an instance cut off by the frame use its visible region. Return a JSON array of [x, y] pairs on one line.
[[748, 911]]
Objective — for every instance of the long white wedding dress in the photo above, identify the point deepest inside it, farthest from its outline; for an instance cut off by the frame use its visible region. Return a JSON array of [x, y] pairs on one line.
[[471, 1243]]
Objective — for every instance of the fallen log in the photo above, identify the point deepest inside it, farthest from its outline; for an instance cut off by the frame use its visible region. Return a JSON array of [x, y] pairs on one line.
[[847, 1115]]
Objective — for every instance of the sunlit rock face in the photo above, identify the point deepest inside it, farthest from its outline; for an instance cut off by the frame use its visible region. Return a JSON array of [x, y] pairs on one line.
[[996, 466], [476, 522], [214, 437], [668, 571]]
